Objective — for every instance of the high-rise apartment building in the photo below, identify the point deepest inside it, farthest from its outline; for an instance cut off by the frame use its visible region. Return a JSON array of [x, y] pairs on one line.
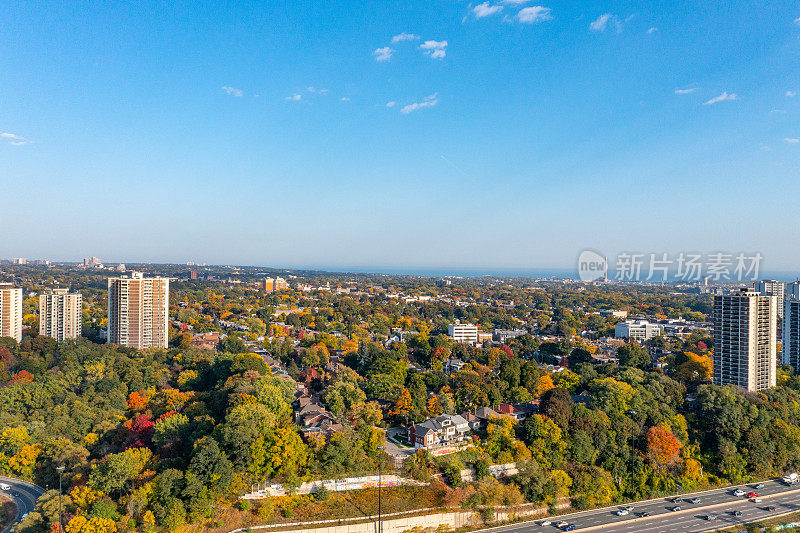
[[745, 338], [274, 284], [60, 314], [775, 288], [11, 311], [138, 309], [791, 326]]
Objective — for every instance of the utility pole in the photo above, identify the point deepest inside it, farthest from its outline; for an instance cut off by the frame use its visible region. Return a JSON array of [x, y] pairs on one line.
[[60, 470]]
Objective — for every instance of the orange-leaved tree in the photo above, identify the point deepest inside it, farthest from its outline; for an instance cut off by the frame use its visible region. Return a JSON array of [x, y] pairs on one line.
[[662, 447]]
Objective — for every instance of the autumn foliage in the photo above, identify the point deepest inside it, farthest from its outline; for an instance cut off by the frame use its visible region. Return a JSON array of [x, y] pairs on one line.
[[23, 376], [662, 447]]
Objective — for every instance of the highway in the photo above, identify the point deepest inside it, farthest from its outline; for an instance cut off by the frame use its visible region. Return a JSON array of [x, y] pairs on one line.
[[24, 494], [720, 503]]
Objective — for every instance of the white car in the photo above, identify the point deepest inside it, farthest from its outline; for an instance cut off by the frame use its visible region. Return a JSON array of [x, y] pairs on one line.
[[739, 492], [621, 512], [561, 524], [546, 523], [755, 500], [5, 486]]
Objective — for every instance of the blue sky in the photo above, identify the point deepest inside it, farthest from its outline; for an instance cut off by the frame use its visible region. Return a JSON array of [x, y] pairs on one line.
[[414, 134]]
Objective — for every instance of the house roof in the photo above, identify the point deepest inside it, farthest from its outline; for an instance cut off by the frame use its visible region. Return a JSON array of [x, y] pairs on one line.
[[485, 413], [458, 420]]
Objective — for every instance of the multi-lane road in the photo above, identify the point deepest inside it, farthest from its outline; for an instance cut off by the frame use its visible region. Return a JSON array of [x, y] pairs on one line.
[[721, 504], [24, 494]]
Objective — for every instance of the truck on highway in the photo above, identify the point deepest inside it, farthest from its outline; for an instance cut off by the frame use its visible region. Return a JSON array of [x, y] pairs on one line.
[[5, 486], [791, 479]]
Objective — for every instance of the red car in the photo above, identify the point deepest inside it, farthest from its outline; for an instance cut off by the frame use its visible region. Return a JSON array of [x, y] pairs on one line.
[[752, 495]]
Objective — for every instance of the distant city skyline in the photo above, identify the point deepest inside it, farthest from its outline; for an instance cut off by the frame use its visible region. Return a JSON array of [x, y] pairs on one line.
[[444, 134]]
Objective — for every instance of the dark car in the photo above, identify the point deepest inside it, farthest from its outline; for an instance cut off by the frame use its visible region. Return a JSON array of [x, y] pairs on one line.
[[736, 513], [676, 508], [709, 517], [643, 514], [694, 500], [569, 527], [769, 508]]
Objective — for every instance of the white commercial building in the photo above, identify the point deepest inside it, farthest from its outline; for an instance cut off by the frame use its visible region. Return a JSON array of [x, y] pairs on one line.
[[638, 330], [60, 314], [459, 332], [11, 311], [745, 338]]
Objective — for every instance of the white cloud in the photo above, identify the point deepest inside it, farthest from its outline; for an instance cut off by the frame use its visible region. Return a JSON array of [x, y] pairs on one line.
[[391, 104], [435, 49], [599, 24], [516, 2], [317, 91], [790, 94], [485, 9], [602, 22], [792, 140], [14, 140], [533, 14], [294, 97], [405, 37], [428, 101], [232, 91], [383, 54], [797, 21], [686, 91], [652, 30], [344, 99], [722, 98]]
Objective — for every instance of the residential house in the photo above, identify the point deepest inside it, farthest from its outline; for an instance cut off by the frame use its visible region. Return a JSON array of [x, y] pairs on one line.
[[440, 430], [452, 365], [519, 411], [207, 341]]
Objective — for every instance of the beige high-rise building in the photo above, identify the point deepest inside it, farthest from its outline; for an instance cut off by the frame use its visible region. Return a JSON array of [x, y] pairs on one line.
[[138, 310], [274, 284], [11, 311], [60, 314], [745, 338]]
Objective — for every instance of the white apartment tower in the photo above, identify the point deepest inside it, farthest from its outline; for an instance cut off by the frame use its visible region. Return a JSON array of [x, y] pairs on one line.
[[60, 314], [775, 288], [11, 311], [138, 309], [745, 338]]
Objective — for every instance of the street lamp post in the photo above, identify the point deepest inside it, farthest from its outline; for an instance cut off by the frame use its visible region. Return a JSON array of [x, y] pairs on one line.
[[60, 470], [380, 482]]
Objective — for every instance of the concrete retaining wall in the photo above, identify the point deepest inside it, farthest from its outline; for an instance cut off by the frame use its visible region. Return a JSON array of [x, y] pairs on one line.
[[437, 521]]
